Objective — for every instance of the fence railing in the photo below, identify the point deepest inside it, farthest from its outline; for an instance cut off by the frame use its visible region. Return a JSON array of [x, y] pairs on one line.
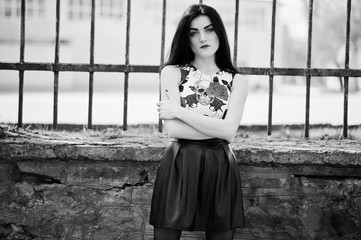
[[308, 72]]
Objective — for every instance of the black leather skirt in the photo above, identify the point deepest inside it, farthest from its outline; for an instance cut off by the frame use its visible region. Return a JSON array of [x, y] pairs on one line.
[[198, 187]]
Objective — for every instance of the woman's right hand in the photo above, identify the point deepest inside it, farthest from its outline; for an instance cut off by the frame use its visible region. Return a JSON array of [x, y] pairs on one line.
[[168, 108]]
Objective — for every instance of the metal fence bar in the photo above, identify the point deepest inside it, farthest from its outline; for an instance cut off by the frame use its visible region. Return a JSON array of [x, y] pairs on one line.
[[272, 57], [121, 68], [126, 68], [56, 62], [303, 72], [126, 73], [22, 56], [347, 61], [308, 76], [162, 48], [235, 44], [91, 63]]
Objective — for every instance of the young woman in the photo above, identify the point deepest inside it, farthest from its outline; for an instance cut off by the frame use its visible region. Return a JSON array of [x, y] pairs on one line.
[[198, 187]]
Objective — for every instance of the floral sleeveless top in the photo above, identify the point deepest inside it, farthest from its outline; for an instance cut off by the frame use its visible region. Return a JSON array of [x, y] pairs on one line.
[[203, 93]]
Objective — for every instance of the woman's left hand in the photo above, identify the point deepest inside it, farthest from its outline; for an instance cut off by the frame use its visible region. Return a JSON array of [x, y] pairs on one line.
[[168, 108]]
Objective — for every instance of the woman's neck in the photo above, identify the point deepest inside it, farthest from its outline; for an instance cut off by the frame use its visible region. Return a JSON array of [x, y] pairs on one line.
[[207, 66]]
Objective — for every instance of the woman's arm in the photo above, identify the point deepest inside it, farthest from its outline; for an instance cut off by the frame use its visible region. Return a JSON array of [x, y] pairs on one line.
[[170, 78], [214, 127], [179, 129]]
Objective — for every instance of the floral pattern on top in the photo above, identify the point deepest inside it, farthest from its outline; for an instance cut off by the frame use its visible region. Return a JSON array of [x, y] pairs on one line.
[[206, 94]]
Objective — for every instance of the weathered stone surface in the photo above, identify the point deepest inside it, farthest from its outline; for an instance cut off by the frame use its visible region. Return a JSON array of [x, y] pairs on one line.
[[58, 187], [150, 148], [9, 173]]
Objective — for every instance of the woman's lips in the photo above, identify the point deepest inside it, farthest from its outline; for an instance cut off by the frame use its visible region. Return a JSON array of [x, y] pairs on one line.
[[205, 46]]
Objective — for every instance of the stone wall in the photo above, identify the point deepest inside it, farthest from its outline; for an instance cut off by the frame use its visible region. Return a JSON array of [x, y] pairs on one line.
[[64, 186]]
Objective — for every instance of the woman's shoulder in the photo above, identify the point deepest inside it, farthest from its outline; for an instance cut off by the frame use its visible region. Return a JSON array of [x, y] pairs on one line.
[[240, 80], [171, 69], [171, 72], [177, 69], [239, 76]]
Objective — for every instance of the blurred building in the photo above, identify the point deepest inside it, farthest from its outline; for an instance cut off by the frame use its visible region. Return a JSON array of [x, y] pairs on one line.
[[254, 34]]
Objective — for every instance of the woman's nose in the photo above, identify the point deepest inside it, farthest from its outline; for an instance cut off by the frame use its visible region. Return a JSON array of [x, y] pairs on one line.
[[202, 37]]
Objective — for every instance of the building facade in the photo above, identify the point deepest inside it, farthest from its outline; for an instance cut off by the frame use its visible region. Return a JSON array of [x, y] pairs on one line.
[[110, 29]]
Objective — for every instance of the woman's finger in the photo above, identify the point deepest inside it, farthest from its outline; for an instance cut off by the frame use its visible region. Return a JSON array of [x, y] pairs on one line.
[[169, 95]]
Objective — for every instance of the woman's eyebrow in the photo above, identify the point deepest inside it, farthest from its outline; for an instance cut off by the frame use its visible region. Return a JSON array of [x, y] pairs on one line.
[[196, 29]]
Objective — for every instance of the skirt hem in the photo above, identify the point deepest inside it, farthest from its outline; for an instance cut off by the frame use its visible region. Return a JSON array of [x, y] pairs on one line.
[[195, 229]]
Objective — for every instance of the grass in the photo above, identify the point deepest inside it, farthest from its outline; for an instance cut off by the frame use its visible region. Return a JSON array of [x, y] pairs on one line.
[[316, 132], [295, 132]]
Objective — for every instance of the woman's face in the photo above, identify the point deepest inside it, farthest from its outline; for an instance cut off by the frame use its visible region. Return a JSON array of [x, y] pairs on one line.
[[204, 41]]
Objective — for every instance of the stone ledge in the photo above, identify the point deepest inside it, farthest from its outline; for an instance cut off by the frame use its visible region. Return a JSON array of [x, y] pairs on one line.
[[256, 151]]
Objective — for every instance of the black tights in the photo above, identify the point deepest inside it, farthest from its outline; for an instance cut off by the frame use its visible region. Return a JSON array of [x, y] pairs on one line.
[[170, 234]]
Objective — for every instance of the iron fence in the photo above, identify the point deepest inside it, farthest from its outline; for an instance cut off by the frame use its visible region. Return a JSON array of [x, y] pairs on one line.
[[308, 72]]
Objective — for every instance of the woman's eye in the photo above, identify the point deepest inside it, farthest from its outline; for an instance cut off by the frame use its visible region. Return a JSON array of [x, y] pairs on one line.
[[210, 30], [193, 33]]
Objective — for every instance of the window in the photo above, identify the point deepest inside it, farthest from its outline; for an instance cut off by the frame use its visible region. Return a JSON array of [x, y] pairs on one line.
[[111, 8], [81, 9], [8, 8], [12, 9]]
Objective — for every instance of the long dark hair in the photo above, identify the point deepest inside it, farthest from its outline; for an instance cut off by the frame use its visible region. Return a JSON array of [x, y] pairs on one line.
[[181, 53]]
